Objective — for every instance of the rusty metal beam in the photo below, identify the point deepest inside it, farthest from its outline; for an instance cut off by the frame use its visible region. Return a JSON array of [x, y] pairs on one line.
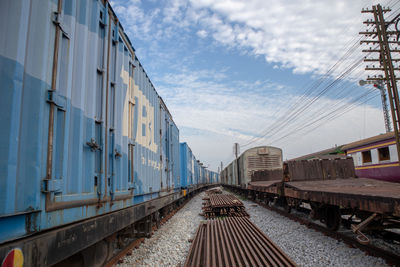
[[234, 241], [223, 205]]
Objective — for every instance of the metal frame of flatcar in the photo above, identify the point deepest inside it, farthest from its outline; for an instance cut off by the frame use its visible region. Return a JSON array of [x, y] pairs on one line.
[[326, 206]]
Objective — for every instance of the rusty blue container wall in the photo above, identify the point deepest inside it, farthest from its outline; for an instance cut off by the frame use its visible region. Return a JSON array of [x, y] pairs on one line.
[[214, 177], [195, 170], [201, 174], [80, 129], [170, 151], [191, 166], [184, 164], [175, 157], [186, 167], [198, 172], [112, 137], [165, 135], [147, 166], [24, 82]]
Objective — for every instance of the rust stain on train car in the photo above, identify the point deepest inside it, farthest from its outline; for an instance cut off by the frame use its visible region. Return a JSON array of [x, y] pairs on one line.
[[364, 194]]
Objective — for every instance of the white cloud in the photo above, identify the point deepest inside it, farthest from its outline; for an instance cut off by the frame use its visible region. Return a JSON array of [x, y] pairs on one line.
[[202, 33], [291, 33], [305, 36], [221, 115]]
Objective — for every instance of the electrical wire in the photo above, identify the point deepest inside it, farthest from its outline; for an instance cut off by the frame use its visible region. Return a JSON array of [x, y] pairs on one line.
[[284, 121]]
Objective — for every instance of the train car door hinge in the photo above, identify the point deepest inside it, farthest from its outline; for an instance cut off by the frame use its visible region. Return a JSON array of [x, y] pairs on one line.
[[58, 20], [117, 154], [131, 186], [56, 99], [94, 146], [52, 185]]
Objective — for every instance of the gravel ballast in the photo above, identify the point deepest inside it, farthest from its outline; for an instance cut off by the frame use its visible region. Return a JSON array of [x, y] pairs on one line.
[[305, 246], [170, 243]]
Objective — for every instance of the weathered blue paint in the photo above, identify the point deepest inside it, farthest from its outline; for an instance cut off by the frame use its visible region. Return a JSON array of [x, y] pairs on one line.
[[12, 227], [184, 168], [187, 167], [175, 161], [81, 134]]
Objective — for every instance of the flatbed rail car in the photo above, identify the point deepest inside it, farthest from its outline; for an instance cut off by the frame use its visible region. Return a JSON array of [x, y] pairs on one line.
[[87, 146], [330, 188]]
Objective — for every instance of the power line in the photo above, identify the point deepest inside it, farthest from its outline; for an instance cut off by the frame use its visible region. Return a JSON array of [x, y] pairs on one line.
[[301, 104]]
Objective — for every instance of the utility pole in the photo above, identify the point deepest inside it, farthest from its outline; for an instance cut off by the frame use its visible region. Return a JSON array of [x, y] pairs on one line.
[[237, 152], [381, 35]]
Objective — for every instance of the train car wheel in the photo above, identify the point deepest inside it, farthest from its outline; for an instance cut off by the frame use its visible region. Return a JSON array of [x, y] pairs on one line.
[[332, 217], [287, 208]]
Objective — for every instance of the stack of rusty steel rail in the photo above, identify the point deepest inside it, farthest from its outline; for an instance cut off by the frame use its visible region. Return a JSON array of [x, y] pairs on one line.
[[234, 241], [223, 205], [215, 190]]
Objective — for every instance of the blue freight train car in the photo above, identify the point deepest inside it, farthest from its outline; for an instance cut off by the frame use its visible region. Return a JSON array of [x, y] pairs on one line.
[[192, 171], [88, 147], [187, 165]]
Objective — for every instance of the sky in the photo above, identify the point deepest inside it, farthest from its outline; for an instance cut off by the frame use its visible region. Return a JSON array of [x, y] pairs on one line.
[[258, 72]]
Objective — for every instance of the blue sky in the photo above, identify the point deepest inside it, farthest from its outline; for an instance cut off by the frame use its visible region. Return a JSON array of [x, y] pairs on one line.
[[230, 70]]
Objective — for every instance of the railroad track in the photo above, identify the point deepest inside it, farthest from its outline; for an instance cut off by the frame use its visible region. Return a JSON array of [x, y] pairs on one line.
[[234, 241], [390, 257]]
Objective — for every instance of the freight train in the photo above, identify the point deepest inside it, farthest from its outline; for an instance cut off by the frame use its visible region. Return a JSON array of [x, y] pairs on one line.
[[88, 148], [239, 172], [328, 188]]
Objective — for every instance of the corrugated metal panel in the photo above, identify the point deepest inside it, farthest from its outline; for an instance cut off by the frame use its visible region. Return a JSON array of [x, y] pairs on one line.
[[170, 174], [146, 129], [190, 167], [187, 165], [184, 164], [320, 169], [105, 133], [175, 161], [25, 78], [112, 139], [258, 159]]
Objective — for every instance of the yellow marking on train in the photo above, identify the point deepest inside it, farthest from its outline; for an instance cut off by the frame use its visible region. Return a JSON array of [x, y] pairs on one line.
[[378, 166], [370, 147]]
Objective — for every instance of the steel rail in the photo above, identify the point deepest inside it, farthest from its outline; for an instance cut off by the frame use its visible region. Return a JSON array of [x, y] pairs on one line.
[[234, 241], [223, 205]]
